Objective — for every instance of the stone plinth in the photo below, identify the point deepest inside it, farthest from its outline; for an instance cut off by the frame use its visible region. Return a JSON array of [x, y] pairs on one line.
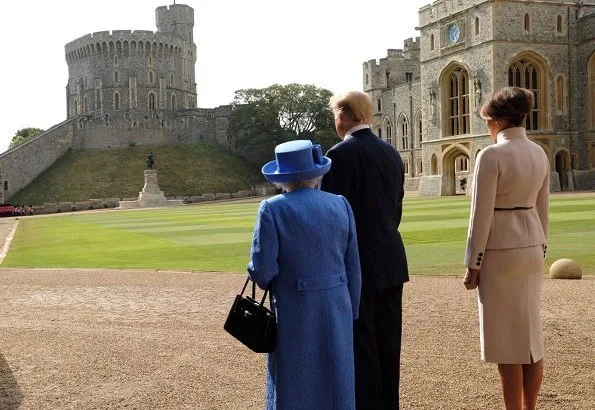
[[565, 269], [151, 196]]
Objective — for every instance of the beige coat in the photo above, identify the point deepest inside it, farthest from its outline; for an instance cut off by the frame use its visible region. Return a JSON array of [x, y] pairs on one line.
[[513, 173], [508, 245]]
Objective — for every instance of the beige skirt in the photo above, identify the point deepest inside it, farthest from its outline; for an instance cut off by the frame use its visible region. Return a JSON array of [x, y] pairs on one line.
[[509, 305]]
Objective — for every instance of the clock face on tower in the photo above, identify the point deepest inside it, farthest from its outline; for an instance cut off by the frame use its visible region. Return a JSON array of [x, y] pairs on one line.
[[453, 32]]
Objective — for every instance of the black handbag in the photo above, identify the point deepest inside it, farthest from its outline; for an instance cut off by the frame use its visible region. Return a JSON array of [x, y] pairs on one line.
[[252, 323]]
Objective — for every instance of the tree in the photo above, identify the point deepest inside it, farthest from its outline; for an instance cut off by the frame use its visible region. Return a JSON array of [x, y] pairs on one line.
[[264, 118], [24, 135]]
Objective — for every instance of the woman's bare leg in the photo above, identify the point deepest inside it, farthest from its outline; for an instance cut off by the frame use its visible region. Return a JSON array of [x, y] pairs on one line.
[[532, 377], [511, 379]]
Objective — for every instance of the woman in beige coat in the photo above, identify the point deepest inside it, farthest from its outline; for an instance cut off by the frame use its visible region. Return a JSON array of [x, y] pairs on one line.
[[506, 245]]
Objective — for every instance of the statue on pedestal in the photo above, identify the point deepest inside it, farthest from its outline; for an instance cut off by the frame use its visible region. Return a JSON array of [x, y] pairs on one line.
[[150, 161]]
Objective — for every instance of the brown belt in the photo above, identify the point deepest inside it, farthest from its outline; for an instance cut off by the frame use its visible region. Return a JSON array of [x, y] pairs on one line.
[[512, 209]]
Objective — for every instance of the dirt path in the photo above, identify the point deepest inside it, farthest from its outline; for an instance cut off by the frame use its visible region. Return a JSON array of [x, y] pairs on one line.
[[97, 339]]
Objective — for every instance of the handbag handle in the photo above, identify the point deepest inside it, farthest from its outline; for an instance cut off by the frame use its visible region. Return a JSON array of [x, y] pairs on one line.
[[254, 290]]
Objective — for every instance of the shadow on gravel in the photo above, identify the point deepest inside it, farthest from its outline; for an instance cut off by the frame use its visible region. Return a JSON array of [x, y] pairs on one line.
[[10, 393]]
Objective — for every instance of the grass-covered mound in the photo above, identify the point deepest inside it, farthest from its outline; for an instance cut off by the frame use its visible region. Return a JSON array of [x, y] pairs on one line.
[[118, 173]]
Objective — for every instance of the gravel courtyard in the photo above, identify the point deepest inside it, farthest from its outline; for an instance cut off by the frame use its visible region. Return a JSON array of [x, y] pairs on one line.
[[108, 339]]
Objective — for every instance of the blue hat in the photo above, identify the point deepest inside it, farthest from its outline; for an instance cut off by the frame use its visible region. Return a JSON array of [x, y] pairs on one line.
[[298, 160]]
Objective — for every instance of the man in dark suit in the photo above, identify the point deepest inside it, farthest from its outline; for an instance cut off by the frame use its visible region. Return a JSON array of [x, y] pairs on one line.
[[369, 173]]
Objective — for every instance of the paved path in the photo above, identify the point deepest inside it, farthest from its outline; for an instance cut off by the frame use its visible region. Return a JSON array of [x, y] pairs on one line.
[[6, 226]]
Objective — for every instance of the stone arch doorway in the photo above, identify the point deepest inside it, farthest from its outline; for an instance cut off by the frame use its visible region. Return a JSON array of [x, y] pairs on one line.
[[562, 168], [455, 171]]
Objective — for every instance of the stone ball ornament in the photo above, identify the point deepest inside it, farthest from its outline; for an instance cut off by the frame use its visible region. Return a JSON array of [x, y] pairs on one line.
[[565, 269]]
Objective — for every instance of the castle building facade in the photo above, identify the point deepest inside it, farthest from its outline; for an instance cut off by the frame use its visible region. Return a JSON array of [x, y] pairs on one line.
[[427, 95]]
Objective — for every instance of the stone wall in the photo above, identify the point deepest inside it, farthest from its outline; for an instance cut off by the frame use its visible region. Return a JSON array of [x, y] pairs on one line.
[[108, 203], [22, 164]]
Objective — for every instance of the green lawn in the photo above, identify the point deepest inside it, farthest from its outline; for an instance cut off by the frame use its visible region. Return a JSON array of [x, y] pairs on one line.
[[216, 237]]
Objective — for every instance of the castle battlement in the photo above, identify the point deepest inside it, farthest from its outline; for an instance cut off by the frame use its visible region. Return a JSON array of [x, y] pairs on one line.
[[107, 41], [440, 9], [412, 43]]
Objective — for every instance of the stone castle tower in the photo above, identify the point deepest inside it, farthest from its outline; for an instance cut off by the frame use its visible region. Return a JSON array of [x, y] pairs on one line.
[[427, 95], [125, 87]]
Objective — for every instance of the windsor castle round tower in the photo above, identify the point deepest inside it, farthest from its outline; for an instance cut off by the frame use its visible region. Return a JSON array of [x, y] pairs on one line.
[[125, 88], [138, 87]]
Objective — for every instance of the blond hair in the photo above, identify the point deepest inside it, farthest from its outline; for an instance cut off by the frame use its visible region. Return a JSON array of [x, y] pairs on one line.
[[356, 105]]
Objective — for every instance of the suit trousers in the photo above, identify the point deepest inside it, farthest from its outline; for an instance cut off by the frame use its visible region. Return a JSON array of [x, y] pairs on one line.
[[377, 349]]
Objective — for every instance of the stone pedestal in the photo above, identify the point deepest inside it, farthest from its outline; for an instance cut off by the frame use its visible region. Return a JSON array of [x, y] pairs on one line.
[[151, 196]]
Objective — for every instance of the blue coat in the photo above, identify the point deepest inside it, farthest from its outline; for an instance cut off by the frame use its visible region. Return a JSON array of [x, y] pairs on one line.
[[305, 247]]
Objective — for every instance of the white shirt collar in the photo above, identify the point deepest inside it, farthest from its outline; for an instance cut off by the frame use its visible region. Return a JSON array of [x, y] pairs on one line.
[[355, 129]]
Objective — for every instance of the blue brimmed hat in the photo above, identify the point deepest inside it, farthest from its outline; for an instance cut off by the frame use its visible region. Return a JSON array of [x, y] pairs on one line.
[[298, 160]]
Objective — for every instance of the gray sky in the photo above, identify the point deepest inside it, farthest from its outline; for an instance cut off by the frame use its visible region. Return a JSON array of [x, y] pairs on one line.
[[240, 44]]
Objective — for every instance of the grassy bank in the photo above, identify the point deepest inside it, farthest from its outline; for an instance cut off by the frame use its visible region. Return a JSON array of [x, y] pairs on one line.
[[118, 173]]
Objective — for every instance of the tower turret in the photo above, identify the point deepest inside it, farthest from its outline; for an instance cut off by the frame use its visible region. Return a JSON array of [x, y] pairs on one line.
[[176, 20]]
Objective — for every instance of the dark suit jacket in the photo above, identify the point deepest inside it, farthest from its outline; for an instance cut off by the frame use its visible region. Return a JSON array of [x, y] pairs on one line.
[[369, 173]]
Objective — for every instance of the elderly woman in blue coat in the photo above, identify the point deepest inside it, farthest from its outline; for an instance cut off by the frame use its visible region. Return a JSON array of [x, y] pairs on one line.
[[305, 250]]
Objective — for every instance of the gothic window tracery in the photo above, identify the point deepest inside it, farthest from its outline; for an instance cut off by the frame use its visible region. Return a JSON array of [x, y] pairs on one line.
[[456, 90], [528, 73], [403, 127], [151, 101], [418, 129], [389, 130]]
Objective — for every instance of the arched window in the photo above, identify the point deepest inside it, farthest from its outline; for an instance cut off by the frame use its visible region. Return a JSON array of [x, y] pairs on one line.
[[455, 89], [151, 77], [116, 100], [434, 165], [529, 73], [115, 61], [171, 80], [388, 127], [559, 24], [560, 94], [476, 26], [431, 42], [403, 130], [527, 22], [75, 107], [591, 93], [150, 60], [116, 77], [85, 105], [462, 163], [173, 102], [151, 101], [379, 104], [418, 129]]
